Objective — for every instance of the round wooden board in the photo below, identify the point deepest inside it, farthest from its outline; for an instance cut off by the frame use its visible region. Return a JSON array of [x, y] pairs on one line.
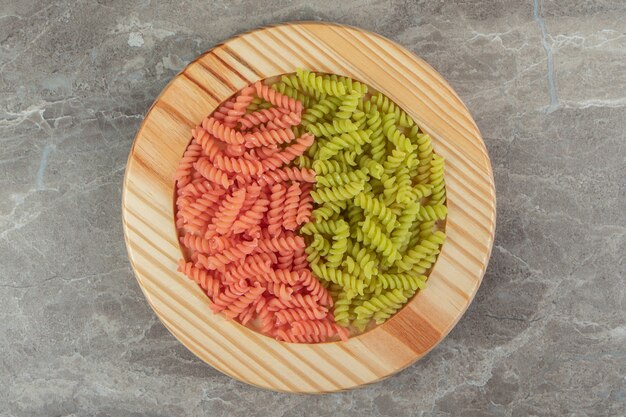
[[149, 219]]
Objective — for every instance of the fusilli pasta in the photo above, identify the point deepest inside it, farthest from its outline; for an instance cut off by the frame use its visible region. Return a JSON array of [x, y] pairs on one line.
[[309, 206]]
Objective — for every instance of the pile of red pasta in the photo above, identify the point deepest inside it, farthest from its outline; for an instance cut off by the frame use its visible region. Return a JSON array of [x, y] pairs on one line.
[[239, 205]]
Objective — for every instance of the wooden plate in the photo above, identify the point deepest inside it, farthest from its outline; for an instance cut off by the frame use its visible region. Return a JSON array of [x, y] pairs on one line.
[[149, 219]]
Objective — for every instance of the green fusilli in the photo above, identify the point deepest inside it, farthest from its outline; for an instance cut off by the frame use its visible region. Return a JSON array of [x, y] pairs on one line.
[[323, 85], [379, 196]]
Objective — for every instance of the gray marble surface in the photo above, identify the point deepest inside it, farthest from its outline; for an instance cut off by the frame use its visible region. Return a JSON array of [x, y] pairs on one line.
[[546, 334]]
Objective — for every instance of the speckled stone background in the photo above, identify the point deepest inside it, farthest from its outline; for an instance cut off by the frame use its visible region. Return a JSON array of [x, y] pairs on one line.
[[546, 334]]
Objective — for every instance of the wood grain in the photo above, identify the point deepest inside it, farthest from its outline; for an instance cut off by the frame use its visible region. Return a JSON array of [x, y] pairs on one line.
[[149, 220]]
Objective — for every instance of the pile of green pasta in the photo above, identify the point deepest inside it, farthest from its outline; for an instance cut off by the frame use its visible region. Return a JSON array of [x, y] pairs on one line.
[[380, 196]]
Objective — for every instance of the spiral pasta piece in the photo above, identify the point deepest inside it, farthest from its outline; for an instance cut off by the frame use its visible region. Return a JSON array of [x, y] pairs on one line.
[[222, 111], [286, 121], [329, 167], [348, 157], [438, 196], [251, 217], [348, 105], [212, 173], [321, 328], [393, 161], [334, 194], [222, 132], [228, 212], [239, 106], [375, 207], [299, 260], [192, 219], [276, 208], [289, 174], [239, 305], [199, 244], [335, 179], [404, 192], [230, 294], [359, 118], [314, 287], [284, 242], [386, 303], [339, 245], [338, 276], [397, 299], [290, 315], [232, 254], [285, 260], [371, 167], [430, 213], [336, 144], [401, 233], [363, 271], [349, 83], [320, 110], [281, 276], [280, 290], [253, 192], [276, 98], [427, 247], [260, 117], [421, 231], [326, 227], [194, 188], [387, 106], [320, 84], [206, 280], [297, 300], [289, 336], [305, 206], [320, 244], [378, 143], [203, 205], [425, 154], [327, 210], [251, 266], [265, 315], [406, 282], [234, 150], [290, 212], [269, 137], [210, 145], [244, 166], [207, 200], [423, 266], [342, 308], [395, 136], [337, 127], [289, 153], [366, 260], [184, 170], [378, 240], [421, 191]]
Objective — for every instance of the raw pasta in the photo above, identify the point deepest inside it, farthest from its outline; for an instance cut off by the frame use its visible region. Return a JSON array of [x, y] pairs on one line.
[[239, 204], [378, 175], [309, 207]]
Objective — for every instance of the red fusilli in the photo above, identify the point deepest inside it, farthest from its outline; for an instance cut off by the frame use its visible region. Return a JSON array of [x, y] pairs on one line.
[[239, 204]]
